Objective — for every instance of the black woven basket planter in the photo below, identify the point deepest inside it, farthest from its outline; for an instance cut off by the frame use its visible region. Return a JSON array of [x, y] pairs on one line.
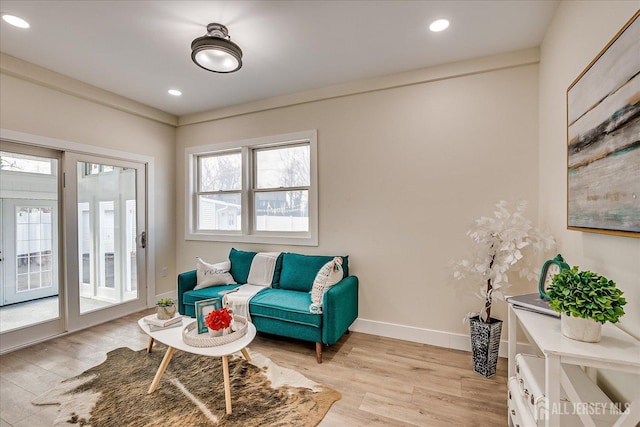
[[485, 343]]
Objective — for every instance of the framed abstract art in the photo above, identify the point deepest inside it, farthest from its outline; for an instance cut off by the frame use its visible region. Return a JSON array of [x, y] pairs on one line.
[[603, 139]]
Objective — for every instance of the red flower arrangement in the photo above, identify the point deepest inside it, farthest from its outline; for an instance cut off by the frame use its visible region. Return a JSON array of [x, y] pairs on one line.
[[218, 319]]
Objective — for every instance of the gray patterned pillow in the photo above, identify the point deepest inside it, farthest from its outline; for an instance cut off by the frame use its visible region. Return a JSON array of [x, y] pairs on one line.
[[330, 274]]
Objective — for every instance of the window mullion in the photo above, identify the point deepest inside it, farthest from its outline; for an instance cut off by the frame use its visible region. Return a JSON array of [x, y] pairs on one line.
[[195, 185], [247, 184], [208, 193], [198, 174], [276, 189]]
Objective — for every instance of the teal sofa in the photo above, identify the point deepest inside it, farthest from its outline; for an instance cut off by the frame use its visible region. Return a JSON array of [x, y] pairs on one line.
[[283, 309]]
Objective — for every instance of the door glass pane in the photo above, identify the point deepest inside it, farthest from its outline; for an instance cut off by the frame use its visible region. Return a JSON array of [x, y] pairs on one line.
[[131, 276], [84, 243], [34, 242], [23, 163], [28, 240], [106, 245], [106, 235]]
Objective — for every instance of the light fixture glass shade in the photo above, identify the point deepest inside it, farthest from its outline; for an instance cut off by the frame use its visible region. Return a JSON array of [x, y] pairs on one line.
[[215, 52]]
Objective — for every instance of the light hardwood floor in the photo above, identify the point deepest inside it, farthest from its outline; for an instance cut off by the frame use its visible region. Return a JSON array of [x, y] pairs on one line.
[[384, 382]]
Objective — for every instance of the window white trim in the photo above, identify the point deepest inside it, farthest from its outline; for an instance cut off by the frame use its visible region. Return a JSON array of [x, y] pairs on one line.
[[247, 235]]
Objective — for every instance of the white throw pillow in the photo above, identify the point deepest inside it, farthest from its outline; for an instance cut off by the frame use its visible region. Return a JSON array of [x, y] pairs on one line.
[[329, 274], [213, 274]]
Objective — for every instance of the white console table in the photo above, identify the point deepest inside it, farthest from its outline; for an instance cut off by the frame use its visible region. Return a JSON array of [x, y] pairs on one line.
[[616, 351]]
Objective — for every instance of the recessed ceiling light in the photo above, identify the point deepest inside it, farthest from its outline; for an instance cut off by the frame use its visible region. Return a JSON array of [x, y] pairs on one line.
[[15, 21], [439, 25], [174, 92]]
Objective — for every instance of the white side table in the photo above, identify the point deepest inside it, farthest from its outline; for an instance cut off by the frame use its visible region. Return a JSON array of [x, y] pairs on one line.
[[172, 338], [616, 351]]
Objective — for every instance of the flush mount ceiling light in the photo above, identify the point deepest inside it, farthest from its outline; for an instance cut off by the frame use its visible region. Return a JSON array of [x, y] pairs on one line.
[[215, 51]]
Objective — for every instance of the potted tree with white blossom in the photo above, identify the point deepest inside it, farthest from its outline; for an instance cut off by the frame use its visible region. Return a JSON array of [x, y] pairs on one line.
[[501, 242]]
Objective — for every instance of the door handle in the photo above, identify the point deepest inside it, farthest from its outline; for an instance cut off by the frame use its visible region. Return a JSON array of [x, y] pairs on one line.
[[143, 239]]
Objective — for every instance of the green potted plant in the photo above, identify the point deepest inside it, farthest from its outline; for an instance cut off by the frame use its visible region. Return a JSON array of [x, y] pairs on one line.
[[585, 301], [166, 308]]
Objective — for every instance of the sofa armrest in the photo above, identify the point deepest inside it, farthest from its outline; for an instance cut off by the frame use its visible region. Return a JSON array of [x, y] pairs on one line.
[[339, 309], [186, 282]]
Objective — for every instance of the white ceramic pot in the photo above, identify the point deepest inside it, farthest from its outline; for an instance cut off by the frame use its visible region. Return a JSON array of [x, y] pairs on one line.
[[219, 332], [166, 312], [580, 329]]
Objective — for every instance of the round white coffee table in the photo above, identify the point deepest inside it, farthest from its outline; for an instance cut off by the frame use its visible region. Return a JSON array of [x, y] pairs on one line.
[[172, 338]]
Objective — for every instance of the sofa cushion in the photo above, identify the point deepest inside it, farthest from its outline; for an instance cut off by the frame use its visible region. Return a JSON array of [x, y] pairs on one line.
[[281, 304], [299, 271], [240, 264], [190, 297], [275, 283]]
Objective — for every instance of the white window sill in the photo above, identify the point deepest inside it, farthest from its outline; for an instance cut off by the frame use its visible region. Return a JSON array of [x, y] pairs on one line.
[[266, 239]]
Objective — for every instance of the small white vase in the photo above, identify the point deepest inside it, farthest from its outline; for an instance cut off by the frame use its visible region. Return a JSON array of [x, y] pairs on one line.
[[580, 329], [218, 333]]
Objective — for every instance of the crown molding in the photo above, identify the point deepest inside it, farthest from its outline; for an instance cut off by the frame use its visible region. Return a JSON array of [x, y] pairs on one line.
[[408, 78], [15, 67]]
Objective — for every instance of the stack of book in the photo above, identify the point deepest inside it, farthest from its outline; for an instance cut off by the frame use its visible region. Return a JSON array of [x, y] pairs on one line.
[[532, 302], [156, 324]]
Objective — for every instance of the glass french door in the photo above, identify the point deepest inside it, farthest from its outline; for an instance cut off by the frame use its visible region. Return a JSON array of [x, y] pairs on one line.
[[30, 246], [106, 212], [72, 241], [31, 257]]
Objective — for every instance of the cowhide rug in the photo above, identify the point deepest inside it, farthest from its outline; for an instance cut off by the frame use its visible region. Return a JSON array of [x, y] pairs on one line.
[[191, 393]]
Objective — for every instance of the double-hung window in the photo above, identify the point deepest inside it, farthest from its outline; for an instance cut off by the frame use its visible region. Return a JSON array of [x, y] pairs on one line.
[[261, 190], [219, 193]]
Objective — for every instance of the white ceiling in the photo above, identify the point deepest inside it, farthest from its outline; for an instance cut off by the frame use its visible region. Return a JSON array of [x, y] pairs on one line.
[[140, 49]]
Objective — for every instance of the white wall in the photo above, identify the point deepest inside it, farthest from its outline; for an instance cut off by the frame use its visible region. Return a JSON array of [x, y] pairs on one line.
[[56, 111], [580, 30], [403, 172]]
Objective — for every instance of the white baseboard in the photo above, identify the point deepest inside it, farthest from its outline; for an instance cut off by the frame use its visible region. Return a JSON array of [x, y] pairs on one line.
[[428, 336]]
